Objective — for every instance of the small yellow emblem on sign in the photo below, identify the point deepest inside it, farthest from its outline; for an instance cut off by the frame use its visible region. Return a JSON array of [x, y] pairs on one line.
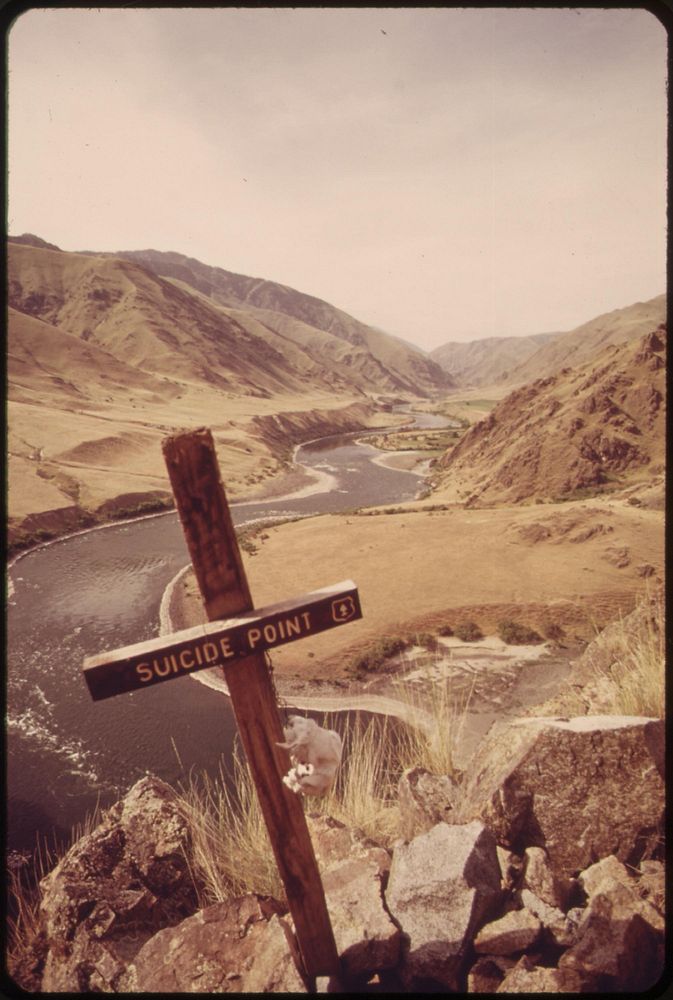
[[343, 609]]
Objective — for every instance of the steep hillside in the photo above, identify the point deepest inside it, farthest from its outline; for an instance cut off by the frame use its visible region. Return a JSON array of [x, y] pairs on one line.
[[578, 346], [105, 358], [483, 362], [377, 355], [147, 323], [45, 364], [591, 428], [177, 325]]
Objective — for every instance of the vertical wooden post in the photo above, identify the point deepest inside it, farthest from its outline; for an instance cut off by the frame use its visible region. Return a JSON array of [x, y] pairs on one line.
[[211, 539]]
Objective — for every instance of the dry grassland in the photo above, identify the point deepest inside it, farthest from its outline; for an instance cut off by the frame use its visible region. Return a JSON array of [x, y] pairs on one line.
[[576, 565], [88, 454]]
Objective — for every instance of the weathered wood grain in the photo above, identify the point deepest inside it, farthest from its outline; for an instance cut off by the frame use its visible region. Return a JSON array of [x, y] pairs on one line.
[[202, 505]]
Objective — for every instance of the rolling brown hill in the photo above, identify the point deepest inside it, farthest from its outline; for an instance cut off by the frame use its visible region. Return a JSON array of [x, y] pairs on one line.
[[486, 361], [231, 332], [327, 335], [45, 364], [105, 358], [578, 346], [588, 429]]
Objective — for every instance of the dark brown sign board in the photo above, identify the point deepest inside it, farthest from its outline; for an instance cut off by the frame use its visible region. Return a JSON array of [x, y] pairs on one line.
[[219, 643]]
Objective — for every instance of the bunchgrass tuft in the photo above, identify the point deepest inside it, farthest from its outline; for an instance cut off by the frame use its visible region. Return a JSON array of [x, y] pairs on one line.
[[231, 852], [468, 632], [365, 792], [636, 656], [517, 634], [432, 742]]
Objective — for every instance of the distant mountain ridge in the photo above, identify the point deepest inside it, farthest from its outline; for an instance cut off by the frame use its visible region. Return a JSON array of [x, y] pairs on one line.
[[518, 360], [599, 426], [168, 313], [579, 346], [488, 360], [272, 303]]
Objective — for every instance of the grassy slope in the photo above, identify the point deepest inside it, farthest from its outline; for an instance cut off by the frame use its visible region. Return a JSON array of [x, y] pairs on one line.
[[418, 569]]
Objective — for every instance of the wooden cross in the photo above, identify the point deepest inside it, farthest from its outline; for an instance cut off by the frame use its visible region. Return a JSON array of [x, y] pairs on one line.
[[235, 639]]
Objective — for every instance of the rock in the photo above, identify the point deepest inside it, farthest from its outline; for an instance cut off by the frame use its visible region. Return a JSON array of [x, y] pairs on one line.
[[560, 927], [240, 946], [511, 866], [487, 973], [114, 888], [443, 886], [527, 977], [608, 875], [353, 869], [540, 879], [617, 947], [603, 874], [425, 799], [581, 788], [516, 931]]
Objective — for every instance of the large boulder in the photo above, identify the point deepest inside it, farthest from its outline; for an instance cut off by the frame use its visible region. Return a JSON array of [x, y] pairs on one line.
[[443, 885], [241, 946], [353, 871], [115, 888], [582, 788]]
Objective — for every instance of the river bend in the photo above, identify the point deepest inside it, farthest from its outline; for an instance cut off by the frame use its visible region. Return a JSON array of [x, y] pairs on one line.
[[102, 589]]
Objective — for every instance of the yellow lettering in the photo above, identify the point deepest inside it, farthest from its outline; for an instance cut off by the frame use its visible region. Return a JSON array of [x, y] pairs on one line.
[[293, 626], [306, 615], [227, 651], [186, 659], [161, 667], [270, 632], [254, 635], [210, 652], [144, 668]]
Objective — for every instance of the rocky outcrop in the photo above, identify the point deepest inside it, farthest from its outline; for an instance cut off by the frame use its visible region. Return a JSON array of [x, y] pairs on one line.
[[545, 874], [241, 946], [581, 788], [425, 799], [114, 888], [354, 871]]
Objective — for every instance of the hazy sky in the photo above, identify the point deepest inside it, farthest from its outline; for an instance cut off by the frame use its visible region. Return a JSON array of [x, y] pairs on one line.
[[444, 174]]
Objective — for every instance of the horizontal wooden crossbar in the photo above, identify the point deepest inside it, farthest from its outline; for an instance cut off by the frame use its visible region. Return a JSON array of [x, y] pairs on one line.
[[220, 643]]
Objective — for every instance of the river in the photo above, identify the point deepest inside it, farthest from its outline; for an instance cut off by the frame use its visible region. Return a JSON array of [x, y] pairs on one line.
[[102, 589]]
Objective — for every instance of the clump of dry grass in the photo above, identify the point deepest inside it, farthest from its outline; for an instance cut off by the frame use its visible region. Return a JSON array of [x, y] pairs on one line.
[[432, 742], [633, 660], [364, 794], [231, 853]]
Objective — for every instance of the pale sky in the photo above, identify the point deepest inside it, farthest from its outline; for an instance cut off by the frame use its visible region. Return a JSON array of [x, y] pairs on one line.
[[440, 173]]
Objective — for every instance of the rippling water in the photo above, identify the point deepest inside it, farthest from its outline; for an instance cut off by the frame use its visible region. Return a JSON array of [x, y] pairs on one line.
[[102, 590]]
